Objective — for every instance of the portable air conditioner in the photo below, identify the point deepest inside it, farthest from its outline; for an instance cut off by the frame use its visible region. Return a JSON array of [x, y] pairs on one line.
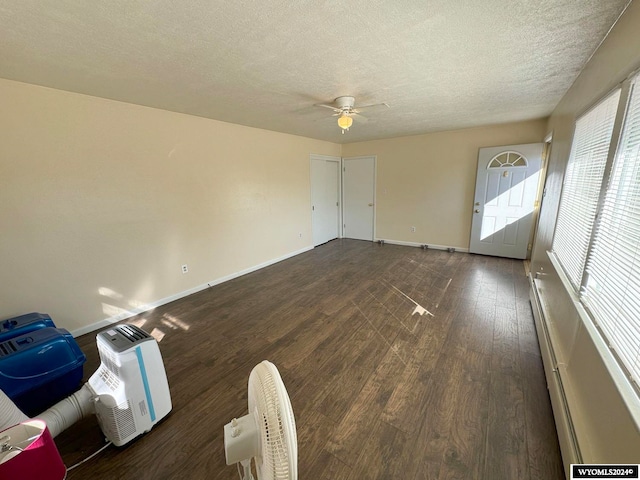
[[130, 386]]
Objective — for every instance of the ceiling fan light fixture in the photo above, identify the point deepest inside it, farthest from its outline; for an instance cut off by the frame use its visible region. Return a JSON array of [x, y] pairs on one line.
[[345, 121]]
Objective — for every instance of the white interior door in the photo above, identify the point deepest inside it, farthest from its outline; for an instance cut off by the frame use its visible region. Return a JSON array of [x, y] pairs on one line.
[[505, 199], [359, 180], [325, 198]]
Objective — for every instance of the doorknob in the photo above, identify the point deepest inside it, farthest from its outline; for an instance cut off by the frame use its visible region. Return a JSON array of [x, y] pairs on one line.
[[477, 210], [371, 204]]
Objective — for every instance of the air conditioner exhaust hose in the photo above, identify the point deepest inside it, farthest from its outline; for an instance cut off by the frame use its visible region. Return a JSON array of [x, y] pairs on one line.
[[68, 411], [10, 414]]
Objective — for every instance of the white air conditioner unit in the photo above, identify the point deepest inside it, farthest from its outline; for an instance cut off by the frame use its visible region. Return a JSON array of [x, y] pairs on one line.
[[130, 386]]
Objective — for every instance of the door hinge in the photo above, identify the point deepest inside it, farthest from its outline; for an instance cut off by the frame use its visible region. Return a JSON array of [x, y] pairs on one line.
[[337, 204], [344, 225], [529, 247], [313, 207]]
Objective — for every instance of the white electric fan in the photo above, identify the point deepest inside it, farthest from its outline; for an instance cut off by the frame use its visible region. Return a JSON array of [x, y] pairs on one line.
[[268, 432]]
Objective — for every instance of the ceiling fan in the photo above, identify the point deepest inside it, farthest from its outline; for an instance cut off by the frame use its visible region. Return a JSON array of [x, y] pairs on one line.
[[345, 109]]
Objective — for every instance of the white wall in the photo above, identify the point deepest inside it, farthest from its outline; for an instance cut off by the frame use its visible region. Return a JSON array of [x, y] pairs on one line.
[[604, 425], [103, 201]]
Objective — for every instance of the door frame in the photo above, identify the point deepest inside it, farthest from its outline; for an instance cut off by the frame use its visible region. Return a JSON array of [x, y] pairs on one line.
[[375, 198], [328, 158], [542, 187], [536, 201]]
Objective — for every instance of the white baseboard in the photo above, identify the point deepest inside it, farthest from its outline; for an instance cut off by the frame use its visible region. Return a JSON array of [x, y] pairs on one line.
[[415, 244], [150, 306]]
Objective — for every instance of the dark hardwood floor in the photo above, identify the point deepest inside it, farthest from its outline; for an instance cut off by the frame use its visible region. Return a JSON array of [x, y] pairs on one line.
[[379, 390]]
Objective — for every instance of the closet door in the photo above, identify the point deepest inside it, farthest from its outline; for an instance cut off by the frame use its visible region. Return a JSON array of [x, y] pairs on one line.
[[325, 198], [359, 183]]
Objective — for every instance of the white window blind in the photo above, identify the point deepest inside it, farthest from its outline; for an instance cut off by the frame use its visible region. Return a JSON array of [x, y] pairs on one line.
[[582, 184], [612, 288]]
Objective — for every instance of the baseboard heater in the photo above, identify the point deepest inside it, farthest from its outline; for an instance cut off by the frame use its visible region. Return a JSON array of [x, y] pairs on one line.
[[569, 445]]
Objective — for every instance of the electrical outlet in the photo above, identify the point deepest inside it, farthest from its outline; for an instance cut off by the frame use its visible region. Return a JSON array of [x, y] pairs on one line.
[[413, 229], [300, 234], [185, 269]]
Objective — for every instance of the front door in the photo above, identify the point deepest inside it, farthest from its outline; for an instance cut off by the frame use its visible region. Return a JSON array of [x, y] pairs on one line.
[[358, 177], [506, 192]]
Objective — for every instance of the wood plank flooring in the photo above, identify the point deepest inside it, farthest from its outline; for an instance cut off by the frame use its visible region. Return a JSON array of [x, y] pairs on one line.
[[379, 390]]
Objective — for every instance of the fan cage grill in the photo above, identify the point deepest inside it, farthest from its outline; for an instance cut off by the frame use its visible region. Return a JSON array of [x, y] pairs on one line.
[[275, 462]]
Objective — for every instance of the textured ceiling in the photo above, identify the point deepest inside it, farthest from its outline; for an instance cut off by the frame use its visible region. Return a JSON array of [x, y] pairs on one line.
[[439, 64]]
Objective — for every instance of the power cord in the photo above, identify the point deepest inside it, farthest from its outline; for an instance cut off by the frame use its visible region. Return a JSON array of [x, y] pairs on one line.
[[89, 457]]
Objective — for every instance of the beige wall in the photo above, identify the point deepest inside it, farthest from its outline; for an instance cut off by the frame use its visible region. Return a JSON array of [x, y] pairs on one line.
[[428, 181], [607, 431], [103, 201]]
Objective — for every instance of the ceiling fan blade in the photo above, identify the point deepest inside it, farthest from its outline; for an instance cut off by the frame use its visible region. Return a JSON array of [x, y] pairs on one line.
[[360, 118], [337, 110], [372, 106]]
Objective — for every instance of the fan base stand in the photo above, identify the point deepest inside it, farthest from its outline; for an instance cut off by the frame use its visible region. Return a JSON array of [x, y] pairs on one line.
[[246, 466]]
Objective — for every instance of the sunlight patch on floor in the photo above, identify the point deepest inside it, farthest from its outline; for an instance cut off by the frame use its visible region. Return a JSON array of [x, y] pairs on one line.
[[174, 322], [157, 334]]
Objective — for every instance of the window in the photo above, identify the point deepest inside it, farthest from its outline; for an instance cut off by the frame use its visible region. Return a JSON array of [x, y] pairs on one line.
[[612, 287], [597, 237], [582, 184], [507, 159]]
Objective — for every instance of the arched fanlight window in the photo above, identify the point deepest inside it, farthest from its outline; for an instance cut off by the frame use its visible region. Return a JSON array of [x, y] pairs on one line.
[[508, 159]]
